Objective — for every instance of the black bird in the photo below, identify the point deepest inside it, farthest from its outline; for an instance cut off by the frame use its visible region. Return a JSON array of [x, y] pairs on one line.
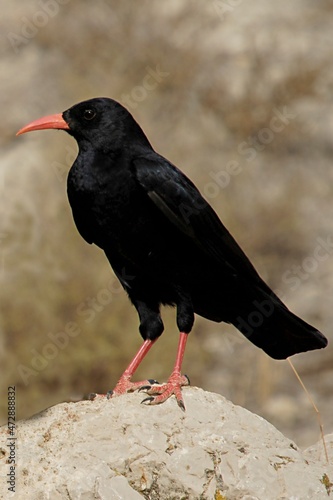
[[165, 243]]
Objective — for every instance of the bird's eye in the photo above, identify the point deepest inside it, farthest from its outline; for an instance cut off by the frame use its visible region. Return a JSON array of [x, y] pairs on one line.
[[89, 114]]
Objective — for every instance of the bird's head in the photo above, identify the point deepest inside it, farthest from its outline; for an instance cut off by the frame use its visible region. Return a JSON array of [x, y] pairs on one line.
[[102, 123]]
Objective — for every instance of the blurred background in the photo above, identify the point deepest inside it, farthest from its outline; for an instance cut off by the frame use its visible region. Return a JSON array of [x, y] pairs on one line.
[[236, 94]]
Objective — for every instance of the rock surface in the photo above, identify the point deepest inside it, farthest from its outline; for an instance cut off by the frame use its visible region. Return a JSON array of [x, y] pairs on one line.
[[120, 449]]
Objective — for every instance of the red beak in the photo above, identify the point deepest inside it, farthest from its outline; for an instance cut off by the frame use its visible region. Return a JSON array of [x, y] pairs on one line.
[[51, 121]]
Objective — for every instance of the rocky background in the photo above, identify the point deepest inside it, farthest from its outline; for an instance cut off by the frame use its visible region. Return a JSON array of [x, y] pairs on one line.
[[239, 96]]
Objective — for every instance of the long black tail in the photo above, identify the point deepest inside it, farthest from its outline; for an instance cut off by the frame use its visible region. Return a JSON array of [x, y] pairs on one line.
[[270, 325]]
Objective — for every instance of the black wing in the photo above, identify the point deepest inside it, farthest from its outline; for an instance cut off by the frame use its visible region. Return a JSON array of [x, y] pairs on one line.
[[181, 202]]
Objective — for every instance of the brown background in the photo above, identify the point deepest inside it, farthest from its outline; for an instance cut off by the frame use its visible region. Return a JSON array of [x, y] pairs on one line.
[[239, 96]]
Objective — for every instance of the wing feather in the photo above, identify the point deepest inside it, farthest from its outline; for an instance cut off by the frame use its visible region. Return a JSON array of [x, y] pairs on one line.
[[183, 205]]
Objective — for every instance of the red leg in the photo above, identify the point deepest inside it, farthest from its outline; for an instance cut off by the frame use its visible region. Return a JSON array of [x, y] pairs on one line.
[[175, 381], [124, 384]]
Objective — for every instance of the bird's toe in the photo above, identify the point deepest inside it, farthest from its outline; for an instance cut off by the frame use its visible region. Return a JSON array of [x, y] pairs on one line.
[[159, 393]]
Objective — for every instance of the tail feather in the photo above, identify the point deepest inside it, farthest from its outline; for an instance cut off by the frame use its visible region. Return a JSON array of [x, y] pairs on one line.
[[278, 331]]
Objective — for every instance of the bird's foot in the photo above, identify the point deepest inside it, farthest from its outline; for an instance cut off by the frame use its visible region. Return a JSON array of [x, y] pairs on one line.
[[163, 391], [123, 386]]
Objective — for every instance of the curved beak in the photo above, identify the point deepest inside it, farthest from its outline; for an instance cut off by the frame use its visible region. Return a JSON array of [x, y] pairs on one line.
[[51, 121]]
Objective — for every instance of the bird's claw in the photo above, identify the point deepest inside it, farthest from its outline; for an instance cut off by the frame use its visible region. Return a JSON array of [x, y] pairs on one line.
[[162, 392], [146, 388], [153, 381], [147, 400]]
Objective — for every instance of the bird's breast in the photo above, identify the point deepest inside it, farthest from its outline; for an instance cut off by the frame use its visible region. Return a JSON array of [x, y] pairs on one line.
[[114, 213]]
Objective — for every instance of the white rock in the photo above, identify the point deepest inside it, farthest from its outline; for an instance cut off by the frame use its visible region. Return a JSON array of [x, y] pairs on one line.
[[120, 449]]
